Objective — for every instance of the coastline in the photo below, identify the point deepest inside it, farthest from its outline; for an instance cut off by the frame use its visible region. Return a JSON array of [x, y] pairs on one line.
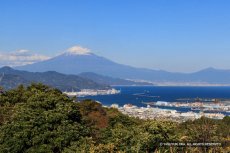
[[141, 96], [92, 92], [162, 114]]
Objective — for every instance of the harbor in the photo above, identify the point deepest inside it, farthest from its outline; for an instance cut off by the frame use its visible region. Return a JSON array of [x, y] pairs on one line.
[[92, 92], [211, 108], [204, 105], [163, 114], [170, 103]]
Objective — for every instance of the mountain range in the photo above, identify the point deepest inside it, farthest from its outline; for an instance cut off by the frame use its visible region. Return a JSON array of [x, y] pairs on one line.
[[10, 78], [74, 63]]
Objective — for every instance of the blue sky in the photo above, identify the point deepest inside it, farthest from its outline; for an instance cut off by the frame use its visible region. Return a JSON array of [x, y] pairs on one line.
[[178, 35]]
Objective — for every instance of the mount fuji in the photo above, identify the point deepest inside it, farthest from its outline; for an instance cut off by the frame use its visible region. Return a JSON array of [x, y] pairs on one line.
[[80, 60]]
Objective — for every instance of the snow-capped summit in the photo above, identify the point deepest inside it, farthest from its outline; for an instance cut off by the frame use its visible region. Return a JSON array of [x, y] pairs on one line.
[[79, 60], [78, 50]]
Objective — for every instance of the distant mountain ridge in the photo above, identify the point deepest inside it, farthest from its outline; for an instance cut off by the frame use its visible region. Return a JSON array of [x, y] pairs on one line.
[[212, 75], [101, 79], [76, 64], [80, 63], [10, 81], [10, 78]]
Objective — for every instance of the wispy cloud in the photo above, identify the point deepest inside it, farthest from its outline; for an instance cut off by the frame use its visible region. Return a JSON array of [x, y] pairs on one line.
[[20, 57]]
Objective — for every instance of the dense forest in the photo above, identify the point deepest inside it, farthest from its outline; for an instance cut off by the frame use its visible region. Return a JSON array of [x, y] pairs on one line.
[[40, 119]]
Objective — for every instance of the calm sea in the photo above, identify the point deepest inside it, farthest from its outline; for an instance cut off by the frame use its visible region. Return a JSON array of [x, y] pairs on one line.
[[136, 95]]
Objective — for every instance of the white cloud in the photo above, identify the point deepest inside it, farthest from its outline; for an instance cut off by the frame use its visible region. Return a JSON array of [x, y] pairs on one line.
[[20, 57], [78, 50], [22, 51]]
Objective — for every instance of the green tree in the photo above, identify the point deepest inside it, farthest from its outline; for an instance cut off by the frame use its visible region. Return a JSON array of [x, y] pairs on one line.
[[159, 132], [1, 89], [44, 121], [38, 118], [134, 135], [205, 130]]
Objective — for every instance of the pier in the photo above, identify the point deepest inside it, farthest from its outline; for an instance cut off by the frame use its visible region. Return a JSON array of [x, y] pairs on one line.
[[210, 105]]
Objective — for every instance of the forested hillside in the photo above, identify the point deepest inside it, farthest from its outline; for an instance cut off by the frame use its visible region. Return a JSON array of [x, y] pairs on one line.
[[11, 78], [38, 118]]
